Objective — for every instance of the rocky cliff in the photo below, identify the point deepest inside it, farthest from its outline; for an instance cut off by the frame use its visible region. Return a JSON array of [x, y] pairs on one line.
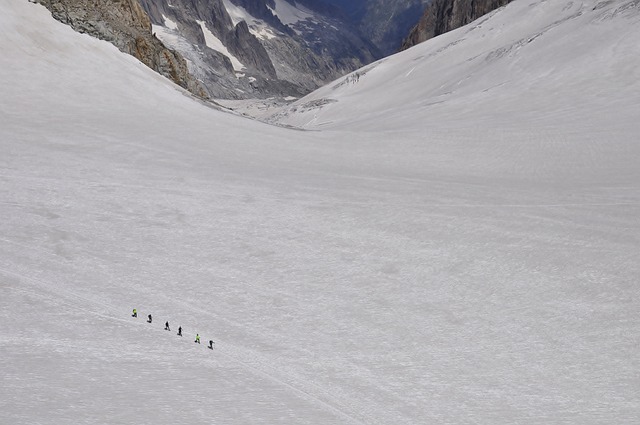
[[126, 25], [384, 22], [388, 22], [260, 48], [445, 15]]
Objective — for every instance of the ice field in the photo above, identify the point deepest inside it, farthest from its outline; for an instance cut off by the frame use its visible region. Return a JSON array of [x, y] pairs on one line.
[[456, 242]]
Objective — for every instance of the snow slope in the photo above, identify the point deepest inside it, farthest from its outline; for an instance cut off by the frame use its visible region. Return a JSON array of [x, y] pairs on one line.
[[257, 27], [291, 13], [499, 71], [410, 266]]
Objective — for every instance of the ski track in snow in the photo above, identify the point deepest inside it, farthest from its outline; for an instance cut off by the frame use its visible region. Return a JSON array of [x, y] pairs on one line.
[[231, 354]]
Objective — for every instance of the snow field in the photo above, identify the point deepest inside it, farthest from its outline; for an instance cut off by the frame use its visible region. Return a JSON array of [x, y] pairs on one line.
[[291, 14], [422, 268], [169, 23], [565, 52]]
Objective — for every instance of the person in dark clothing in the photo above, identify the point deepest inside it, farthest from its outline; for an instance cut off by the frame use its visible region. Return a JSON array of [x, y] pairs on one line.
[[150, 319], [166, 326], [179, 330], [211, 344]]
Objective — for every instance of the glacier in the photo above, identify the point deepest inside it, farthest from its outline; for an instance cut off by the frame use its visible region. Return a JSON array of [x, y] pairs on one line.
[[450, 236]]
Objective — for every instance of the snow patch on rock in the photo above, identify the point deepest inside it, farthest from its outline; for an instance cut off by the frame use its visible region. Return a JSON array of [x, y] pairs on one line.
[[215, 43]]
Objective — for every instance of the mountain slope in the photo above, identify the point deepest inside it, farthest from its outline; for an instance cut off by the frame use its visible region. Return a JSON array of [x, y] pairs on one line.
[[445, 15], [430, 268], [254, 49], [388, 22], [126, 25], [495, 73], [384, 22]]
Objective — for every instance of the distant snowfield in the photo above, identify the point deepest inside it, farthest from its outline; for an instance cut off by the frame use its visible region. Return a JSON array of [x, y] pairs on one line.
[[237, 13], [169, 23], [290, 14], [460, 244], [256, 26]]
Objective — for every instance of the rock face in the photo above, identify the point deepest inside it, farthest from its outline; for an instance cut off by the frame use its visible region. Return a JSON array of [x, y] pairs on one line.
[[445, 15], [240, 49], [126, 25], [260, 48], [384, 22], [387, 23]]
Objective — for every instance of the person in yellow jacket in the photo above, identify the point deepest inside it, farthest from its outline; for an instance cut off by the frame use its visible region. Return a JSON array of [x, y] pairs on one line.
[[135, 313], [197, 339]]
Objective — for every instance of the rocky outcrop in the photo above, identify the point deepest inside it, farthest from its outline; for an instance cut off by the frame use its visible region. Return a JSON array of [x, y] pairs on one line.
[[384, 22], [249, 50], [234, 49], [125, 24], [445, 15], [181, 24], [314, 51], [388, 22], [251, 53]]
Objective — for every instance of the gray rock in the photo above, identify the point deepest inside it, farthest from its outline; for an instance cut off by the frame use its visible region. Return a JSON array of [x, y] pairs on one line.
[[385, 23], [127, 26], [296, 59], [445, 15], [248, 50]]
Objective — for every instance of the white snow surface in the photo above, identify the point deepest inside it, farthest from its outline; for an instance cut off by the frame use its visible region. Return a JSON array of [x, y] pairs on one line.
[[290, 14], [474, 261], [169, 23], [255, 108], [169, 37], [257, 27], [564, 57], [216, 44], [237, 13]]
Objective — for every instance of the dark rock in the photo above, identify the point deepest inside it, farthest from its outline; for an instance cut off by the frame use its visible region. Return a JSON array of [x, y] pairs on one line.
[[248, 50], [291, 60], [445, 15], [385, 23]]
